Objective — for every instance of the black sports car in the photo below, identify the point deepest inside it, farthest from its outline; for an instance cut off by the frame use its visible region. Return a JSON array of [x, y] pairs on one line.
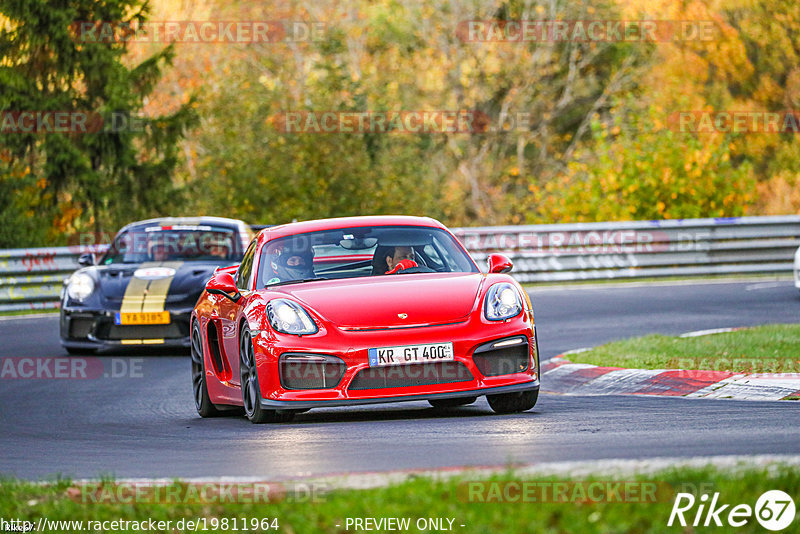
[[143, 289]]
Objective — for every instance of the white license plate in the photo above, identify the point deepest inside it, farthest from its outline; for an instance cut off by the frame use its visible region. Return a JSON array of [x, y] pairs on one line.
[[408, 354]]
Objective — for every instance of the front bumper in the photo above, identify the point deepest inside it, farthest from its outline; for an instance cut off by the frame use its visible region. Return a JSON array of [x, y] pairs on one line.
[[301, 405], [468, 338], [85, 328]]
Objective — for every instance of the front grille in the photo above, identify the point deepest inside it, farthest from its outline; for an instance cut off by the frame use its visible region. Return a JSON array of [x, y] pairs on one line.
[[423, 374], [145, 331], [310, 371], [503, 360]]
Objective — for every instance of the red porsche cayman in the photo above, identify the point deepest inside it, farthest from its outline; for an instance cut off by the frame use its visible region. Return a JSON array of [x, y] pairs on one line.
[[361, 310]]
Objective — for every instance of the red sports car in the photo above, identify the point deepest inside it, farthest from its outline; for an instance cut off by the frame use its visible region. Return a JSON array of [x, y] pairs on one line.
[[361, 310]]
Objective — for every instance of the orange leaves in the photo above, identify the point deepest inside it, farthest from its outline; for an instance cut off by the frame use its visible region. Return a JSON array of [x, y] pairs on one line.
[[780, 194], [64, 221]]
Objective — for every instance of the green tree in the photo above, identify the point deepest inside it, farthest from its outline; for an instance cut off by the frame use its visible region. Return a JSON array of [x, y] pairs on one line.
[[85, 181]]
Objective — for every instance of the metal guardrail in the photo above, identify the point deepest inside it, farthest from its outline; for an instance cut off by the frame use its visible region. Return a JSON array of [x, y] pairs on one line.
[[641, 249], [32, 278]]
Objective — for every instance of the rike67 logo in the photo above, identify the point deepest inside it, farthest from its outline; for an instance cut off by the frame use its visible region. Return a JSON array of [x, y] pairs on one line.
[[774, 510]]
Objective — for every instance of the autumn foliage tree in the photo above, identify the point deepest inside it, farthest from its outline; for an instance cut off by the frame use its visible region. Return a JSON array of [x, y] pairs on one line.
[[78, 179], [396, 56], [639, 165], [574, 129]]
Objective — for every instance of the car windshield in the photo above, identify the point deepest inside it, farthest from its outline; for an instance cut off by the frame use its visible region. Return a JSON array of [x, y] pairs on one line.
[[357, 252], [174, 243]]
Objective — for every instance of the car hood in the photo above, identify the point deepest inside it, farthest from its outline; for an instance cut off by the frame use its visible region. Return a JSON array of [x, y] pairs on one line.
[[189, 278], [390, 301]]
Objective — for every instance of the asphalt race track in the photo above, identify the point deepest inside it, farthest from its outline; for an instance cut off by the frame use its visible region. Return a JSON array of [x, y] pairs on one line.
[[143, 423]]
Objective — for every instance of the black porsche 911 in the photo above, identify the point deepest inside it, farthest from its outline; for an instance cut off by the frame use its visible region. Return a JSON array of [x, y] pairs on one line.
[[142, 290]]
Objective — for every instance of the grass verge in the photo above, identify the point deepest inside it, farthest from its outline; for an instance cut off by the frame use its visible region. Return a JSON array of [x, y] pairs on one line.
[[762, 349], [588, 505]]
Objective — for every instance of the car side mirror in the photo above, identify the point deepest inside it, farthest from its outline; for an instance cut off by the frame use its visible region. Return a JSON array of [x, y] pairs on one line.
[[86, 260], [499, 264], [223, 284]]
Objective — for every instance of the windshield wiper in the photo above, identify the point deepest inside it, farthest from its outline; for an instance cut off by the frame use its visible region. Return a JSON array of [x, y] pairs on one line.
[[287, 282]]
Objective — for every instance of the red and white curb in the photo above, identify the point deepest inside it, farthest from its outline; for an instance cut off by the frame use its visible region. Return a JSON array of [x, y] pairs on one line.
[[559, 375]]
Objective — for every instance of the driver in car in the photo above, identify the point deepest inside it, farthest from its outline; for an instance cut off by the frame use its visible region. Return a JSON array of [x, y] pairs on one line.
[[219, 247], [158, 251], [389, 260]]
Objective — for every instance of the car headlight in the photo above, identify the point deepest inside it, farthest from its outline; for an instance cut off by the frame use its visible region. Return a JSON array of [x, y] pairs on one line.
[[289, 317], [80, 286], [502, 302]]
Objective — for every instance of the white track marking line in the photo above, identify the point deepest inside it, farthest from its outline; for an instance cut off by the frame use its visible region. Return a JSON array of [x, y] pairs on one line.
[[576, 351], [710, 331], [763, 285]]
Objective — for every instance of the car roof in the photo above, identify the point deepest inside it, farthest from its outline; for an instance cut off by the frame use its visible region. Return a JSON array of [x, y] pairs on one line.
[[283, 230], [165, 221]]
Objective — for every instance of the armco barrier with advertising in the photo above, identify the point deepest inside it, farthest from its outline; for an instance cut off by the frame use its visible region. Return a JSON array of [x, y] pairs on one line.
[[640, 249], [32, 278]]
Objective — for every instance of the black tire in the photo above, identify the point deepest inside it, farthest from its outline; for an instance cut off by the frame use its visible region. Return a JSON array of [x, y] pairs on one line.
[[513, 402], [79, 352], [251, 396], [451, 403], [202, 402]]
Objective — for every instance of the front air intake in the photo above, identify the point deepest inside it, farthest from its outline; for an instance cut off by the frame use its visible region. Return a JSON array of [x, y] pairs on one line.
[[310, 371], [503, 356], [418, 374]]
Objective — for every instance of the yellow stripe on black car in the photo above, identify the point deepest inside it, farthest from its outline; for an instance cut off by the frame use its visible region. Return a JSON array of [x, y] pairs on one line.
[[156, 296], [135, 292], [148, 295]]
